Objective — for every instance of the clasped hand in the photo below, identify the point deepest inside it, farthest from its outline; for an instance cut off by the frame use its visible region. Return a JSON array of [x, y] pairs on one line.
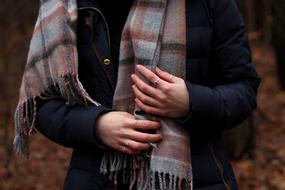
[[168, 98]]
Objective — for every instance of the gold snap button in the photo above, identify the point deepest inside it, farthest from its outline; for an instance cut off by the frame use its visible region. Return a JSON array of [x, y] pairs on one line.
[[107, 61]]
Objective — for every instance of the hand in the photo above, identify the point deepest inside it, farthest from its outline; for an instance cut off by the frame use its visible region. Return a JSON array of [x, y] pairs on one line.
[[119, 130], [169, 98]]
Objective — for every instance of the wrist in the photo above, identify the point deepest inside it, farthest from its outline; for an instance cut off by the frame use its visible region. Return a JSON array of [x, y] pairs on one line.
[[186, 117], [97, 130]]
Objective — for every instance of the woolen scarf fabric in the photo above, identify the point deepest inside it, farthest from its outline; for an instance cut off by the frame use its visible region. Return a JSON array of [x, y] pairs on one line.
[[51, 69], [154, 36]]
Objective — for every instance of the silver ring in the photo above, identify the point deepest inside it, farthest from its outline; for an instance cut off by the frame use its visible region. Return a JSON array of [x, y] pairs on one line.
[[126, 144], [156, 82]]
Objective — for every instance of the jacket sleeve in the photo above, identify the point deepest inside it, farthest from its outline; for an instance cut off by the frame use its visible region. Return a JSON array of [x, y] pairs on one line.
[[233, 96], [70, 126]]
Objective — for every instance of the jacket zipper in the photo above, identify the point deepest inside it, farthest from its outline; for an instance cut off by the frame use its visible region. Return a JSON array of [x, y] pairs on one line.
[[219, 166], [94, 47]]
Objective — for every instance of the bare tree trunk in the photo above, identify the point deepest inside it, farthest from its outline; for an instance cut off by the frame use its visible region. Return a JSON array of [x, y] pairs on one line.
[[267, 21], [250, 15], [278, 38]]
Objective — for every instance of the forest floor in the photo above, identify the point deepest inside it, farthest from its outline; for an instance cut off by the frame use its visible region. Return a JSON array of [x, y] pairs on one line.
[[267, 170], [48, 163]]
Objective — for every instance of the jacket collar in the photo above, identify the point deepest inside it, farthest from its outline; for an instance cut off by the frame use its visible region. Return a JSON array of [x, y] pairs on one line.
[[89, 3]]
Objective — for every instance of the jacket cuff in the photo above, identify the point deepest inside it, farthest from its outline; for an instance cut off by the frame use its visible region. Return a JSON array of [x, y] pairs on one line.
[[83, 128], [204, 102]]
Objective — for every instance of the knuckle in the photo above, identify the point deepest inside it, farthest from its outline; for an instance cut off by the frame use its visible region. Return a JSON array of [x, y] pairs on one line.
[[152, 78], [125, 123], [144, 125], [163, 99], [135, 146], [143, 99], [123, 134], [139, 127], [136, 93], [166, 89], [143, 87]]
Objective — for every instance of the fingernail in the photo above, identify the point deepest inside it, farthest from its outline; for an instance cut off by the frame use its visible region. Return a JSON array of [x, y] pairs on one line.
[[138, 66]]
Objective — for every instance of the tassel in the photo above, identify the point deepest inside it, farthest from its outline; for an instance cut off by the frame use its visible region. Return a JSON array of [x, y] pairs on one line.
[[21, 146]]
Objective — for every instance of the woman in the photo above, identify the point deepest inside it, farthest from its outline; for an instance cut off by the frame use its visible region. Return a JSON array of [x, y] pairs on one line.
[[217, 93]]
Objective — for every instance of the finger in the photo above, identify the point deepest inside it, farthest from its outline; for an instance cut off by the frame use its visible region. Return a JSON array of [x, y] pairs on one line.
[[139, 125], [137, 146], [146, 125], [145, 98], [147, 89], [152, 77], [165, 75], [150, 109], [148, 74], [144, 137]]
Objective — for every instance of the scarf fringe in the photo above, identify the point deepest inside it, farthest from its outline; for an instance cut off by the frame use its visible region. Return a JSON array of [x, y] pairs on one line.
[[132, 169], [162, 181], [136, 170], [25, 115]]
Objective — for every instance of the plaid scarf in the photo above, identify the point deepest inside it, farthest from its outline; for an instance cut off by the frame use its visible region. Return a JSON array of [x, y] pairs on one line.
[[52, 67], [154, 36]]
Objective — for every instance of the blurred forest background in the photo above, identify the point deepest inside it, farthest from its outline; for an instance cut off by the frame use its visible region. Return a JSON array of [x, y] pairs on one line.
[[257, 147]]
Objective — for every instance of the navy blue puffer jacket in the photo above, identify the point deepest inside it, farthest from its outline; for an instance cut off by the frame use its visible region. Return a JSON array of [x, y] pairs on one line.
[[221, 80]]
